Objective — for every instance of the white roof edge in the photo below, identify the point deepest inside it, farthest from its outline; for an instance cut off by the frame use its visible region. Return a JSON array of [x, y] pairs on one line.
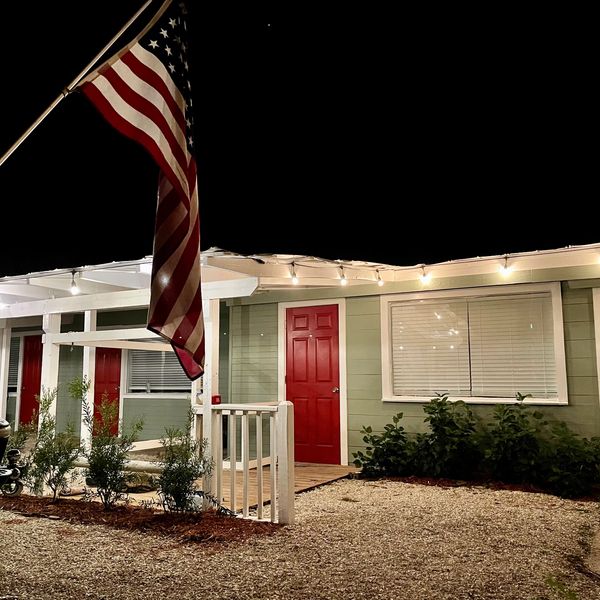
[[288, 259]]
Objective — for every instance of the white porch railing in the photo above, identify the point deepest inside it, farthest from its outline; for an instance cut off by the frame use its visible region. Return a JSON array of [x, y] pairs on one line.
[[247, 425]]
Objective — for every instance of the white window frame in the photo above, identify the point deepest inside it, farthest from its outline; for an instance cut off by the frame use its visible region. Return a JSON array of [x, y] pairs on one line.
[[514, 289]]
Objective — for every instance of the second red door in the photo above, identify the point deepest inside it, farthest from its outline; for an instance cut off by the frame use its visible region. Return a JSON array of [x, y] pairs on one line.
[[108, 378]]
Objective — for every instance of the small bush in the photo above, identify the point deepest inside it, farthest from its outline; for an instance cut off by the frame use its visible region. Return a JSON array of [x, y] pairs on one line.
[[54, 454], [183, 464], [570, 462], [107, 453], [451, 448], [514, 441], [388, 453]]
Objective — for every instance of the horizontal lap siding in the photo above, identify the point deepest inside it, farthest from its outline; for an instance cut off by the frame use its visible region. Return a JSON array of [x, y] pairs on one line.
[[253, 360], [157, 414], [363, 355], [68, 410]]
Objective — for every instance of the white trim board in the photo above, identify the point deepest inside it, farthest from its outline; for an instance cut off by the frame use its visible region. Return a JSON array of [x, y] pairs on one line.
[[281, 359]]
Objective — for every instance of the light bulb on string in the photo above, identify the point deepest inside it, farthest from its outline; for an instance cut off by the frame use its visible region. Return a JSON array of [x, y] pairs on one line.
[[379, 280], [343, 280], [424, 277], [74, 287], [295, 279], [505, 269]]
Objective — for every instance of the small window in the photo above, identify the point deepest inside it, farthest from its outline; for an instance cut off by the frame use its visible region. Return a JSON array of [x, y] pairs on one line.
[[478, 345], [13, 364], [150, 371]]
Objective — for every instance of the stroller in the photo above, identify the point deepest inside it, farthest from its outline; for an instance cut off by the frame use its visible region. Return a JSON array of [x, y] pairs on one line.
[[11, 472]]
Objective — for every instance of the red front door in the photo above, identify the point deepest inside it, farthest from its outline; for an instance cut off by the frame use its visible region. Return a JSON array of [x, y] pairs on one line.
[[108, 378], [31, 377], [312, 382]]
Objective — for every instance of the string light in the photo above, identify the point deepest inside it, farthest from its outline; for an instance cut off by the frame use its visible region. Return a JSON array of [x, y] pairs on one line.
[[74, 287], [505, 269], [379, 280], [343, 279], [424, 277], [295, 279]]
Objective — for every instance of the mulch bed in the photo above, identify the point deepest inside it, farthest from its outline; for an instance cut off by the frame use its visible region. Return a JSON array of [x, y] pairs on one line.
[[205, 527]]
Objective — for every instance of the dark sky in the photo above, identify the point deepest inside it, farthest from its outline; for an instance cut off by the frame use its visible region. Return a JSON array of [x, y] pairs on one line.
[[359, 134]]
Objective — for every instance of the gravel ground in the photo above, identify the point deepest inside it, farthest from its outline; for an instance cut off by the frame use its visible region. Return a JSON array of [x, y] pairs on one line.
[[353, 540]]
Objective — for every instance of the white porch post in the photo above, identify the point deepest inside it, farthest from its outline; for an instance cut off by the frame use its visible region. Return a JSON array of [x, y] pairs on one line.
[[210, 380], [89, 373], [50, 356], [4, 358], [285, 462]]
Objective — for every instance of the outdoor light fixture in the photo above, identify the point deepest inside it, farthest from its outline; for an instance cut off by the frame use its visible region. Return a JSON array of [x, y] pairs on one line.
[[74, 287], [379, 280], [424, 277], [505, 269], [295, 279], [343, 279]]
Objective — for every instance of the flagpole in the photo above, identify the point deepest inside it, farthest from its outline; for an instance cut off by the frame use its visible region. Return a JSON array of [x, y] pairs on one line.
[[73, 84]]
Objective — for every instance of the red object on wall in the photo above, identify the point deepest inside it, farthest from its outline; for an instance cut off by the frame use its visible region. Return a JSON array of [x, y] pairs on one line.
[[312, 382], [108, 379], [31, 376], [216, 399]]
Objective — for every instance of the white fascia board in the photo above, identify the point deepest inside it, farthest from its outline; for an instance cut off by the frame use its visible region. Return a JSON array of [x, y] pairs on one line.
[[121, 279], [133, 333], [125, 345], [123, 299], [33, 292]]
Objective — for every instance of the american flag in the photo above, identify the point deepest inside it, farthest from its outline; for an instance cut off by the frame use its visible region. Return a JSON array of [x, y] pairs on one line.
[[144, 91]]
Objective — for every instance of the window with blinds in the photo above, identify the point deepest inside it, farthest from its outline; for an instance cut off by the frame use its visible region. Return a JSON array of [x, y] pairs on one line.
[[13, 364], [477, 346], [150, 371]]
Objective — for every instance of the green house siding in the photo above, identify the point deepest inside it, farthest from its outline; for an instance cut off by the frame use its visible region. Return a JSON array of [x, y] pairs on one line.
[[156, 413], [68, 410], [363, 355], [253, 359], [224, 337]]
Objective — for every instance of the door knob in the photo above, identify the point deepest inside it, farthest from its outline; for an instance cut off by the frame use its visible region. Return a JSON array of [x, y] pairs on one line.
[[335, 390]]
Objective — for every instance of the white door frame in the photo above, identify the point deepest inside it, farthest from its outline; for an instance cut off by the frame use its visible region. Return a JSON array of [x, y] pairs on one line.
[[281, 361]]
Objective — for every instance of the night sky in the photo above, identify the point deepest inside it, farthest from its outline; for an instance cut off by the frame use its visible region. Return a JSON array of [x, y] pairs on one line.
[[391, 137]]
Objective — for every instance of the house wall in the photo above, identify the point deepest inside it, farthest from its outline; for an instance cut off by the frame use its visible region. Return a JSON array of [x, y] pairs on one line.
[[156, 414], [253, 330], [68, 410], [254, 361], [363, 331]]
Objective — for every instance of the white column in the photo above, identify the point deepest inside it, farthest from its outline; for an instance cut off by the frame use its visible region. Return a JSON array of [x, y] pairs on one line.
[[4, 359], [285, 462], [89, 373], [50, 356], [210, 379]]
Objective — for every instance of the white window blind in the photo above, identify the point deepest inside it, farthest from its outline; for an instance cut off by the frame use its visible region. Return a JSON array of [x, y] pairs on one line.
[[477, 346], [13, 365], [512, 346], [430, 348], [151, 371]]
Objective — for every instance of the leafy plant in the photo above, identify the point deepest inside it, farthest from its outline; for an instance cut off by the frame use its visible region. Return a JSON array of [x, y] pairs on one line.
[[451, 448], [388, 453], [107, 453], [183, 464], [54, 454], [514, 442], [570, 462]]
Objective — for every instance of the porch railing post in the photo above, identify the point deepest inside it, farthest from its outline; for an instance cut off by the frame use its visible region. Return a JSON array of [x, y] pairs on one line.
[[285, 462]]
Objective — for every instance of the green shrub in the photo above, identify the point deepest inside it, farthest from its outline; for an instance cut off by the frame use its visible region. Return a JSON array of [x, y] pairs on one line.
[[570, 462], [107, 453], [388, 453], [54, 454], [451, 449], [183, 464], [513, 443]]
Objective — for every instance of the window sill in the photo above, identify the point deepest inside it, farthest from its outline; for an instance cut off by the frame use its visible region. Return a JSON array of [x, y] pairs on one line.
[[146, 395], [478, 400]]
